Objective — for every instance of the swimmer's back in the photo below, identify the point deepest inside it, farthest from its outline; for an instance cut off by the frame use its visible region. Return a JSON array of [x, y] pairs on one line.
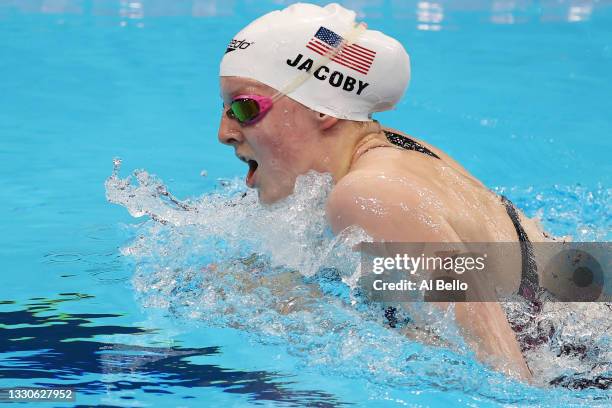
[[441, 187], [476, 213]]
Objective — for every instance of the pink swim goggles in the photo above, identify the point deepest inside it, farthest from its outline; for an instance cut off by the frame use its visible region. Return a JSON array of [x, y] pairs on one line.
[[249, 109]]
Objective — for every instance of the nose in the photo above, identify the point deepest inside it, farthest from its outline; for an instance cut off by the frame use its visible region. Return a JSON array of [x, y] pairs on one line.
[[229, 131]]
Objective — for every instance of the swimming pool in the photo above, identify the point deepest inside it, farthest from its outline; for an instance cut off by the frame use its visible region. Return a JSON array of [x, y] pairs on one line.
[[123, 309]]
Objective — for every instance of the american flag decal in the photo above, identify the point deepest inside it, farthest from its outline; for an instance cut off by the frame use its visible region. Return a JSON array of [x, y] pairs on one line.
[[354, 56]]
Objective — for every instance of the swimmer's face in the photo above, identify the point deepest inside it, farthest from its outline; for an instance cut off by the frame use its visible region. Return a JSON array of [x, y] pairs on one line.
[[277, 147]]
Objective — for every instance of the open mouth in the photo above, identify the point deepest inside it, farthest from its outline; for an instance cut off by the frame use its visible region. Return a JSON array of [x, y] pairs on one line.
[[250, 177]]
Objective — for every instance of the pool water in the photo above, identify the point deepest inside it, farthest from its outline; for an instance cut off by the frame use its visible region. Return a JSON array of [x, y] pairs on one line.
[[154, 302]]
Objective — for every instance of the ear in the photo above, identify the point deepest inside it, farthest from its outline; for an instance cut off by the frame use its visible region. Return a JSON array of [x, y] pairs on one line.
[[326, 121]]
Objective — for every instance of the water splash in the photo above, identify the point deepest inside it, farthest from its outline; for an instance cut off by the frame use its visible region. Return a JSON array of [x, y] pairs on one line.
[[278, 272]]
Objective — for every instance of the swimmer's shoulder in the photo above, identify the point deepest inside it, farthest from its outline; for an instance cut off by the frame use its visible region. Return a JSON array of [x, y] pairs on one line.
[[444, 158], [389, 204]]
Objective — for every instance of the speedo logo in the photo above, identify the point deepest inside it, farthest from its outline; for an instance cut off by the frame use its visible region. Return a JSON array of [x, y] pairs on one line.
[[238, 45]]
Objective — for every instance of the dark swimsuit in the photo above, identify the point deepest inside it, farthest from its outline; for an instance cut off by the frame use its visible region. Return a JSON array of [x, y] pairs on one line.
[[529, 288]]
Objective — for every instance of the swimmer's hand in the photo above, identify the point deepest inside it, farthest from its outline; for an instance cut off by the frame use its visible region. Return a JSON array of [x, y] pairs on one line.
[[289, 289]]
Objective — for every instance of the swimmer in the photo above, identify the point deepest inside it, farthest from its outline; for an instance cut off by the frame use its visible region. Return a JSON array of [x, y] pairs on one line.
[[299, 89]]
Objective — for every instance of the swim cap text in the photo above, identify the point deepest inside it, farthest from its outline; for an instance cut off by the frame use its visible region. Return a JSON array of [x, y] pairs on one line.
[[336, 79]]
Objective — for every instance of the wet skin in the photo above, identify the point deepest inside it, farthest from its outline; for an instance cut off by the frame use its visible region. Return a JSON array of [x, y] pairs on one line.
[[393, 194]]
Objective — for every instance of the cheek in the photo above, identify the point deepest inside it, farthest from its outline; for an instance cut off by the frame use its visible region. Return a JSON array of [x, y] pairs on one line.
[[277, 147], [282, 156], [280, 141]]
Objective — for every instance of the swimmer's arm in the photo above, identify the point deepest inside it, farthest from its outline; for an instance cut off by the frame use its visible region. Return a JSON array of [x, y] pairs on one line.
[[291, 291], [389, 211]]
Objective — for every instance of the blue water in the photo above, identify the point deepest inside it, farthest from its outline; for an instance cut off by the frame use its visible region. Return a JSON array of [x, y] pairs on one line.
[[516, 91]]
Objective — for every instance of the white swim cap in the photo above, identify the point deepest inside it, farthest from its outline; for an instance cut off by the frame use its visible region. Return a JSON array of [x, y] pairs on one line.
[[369, 71]]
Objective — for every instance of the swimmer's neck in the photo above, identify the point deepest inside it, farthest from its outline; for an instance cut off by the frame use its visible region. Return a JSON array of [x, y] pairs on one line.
[[345, 144]]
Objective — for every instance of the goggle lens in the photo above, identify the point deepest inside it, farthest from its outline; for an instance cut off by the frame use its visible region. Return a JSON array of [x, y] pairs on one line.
[[244, 110]]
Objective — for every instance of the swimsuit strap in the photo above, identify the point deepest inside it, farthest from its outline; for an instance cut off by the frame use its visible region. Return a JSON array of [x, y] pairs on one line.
[[530, 285], [408, 144]]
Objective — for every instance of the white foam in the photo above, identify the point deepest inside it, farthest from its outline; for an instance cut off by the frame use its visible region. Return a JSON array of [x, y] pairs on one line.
[[225, 260]]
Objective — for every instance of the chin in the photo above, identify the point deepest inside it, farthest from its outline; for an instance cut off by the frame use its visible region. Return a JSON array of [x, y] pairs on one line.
[[263, 199], [270, 196], [267, 198]]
